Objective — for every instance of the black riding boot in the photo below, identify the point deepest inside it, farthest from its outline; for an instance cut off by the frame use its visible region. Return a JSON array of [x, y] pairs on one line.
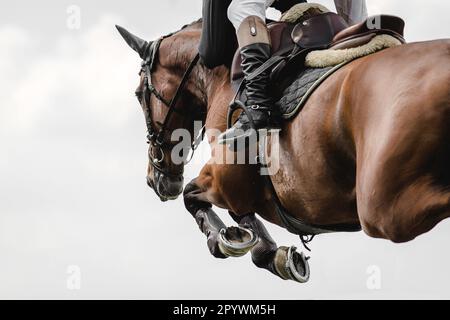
[[255, 49]]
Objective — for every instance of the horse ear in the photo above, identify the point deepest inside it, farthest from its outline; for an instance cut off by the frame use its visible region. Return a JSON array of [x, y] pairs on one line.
[[136, 43]]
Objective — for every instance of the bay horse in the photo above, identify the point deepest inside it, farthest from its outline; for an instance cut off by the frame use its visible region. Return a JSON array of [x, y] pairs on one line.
[[370, 148]]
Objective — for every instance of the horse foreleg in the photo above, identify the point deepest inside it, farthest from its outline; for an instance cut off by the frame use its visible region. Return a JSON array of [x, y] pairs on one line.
[[207, 220], [251, 235], [283, 262], [222, 242]]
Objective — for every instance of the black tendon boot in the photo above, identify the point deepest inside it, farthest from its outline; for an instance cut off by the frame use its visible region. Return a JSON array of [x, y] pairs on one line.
[[255, 49]]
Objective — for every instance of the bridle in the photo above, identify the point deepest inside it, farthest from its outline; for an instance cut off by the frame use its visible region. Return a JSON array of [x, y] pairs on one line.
[[157, 137]]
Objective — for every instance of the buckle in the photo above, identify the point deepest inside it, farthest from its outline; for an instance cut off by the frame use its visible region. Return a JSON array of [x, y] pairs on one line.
[[159, 140], [257, 107]]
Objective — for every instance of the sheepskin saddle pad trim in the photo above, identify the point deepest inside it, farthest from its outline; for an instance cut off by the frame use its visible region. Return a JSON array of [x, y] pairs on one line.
[[296, 13], [331, 57], [320, 65]]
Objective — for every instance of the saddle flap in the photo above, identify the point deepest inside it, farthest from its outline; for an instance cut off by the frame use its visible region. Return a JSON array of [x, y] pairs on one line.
[[318, 31], [280, 37]]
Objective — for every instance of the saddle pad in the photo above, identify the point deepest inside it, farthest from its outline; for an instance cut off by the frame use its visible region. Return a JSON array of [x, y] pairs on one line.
[[296, 95]]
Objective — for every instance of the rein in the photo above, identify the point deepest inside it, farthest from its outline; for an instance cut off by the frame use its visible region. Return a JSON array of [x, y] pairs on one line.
[[156, 137]]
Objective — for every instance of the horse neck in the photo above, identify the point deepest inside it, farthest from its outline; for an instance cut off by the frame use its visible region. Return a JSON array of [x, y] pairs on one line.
[[218, 92], [211, 87]]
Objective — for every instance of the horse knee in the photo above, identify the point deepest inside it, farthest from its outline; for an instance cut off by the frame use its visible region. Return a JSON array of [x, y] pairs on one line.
[[191, 198], [190, 188]]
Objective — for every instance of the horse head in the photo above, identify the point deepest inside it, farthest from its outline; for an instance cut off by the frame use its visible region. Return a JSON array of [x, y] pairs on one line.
[[172, 101]]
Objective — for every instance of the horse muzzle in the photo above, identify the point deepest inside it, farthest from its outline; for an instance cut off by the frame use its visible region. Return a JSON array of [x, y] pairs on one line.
[[166, 187]]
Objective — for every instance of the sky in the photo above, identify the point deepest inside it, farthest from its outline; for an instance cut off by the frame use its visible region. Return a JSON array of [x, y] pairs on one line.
[[77, 220]]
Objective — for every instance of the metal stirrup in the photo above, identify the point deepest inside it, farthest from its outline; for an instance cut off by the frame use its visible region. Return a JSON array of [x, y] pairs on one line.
[[235, 106]]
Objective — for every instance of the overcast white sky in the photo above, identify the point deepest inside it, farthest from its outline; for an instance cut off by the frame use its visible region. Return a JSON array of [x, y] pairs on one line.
[[73, 165]]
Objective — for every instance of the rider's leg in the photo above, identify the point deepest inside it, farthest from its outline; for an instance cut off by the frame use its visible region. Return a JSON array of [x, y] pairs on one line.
[[352, 11], [218, 42], [248, 17]]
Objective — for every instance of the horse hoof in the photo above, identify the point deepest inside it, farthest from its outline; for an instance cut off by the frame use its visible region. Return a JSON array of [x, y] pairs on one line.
[[291, 265], [237, 241]]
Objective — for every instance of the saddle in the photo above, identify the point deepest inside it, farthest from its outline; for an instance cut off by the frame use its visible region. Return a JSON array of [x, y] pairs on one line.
[[312, 33]]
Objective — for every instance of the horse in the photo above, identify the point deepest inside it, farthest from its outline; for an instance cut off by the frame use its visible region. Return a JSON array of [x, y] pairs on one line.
[[369, 148]]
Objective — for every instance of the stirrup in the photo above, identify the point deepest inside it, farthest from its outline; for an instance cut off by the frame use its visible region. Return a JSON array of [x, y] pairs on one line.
[[238, 105], [253, 131], [235, 106]]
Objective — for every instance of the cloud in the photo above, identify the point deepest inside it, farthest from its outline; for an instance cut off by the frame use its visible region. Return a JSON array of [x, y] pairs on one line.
[[90, 70], [64, 112], [13, 39]]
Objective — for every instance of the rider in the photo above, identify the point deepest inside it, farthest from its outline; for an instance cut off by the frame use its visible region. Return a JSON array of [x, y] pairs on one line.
[[249, 20]]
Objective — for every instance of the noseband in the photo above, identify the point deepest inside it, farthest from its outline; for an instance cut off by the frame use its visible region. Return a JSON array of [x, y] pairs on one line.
[[156, 137]]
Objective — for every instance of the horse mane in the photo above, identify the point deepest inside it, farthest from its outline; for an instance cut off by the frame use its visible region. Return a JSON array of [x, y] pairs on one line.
[[196, 23], [186, 47]]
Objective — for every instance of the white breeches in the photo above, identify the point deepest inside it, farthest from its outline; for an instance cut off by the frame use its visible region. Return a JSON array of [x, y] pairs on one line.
[[353, 11], [239, 10]]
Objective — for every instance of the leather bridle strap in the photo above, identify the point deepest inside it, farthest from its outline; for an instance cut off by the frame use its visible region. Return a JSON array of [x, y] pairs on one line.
[[156, 137], [173, 102], [148, 65]]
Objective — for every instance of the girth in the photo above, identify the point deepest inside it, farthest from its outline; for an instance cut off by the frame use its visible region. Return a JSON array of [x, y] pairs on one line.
[[295, 225]]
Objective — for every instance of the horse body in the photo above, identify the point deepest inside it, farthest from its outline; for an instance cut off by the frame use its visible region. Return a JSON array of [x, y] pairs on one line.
[[348, 153], [370, 147], [402, 138], [359, 149], [344, 136]]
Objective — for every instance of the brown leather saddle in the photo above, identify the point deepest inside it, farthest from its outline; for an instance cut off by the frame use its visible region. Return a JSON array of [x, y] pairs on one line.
[[292, 42]]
